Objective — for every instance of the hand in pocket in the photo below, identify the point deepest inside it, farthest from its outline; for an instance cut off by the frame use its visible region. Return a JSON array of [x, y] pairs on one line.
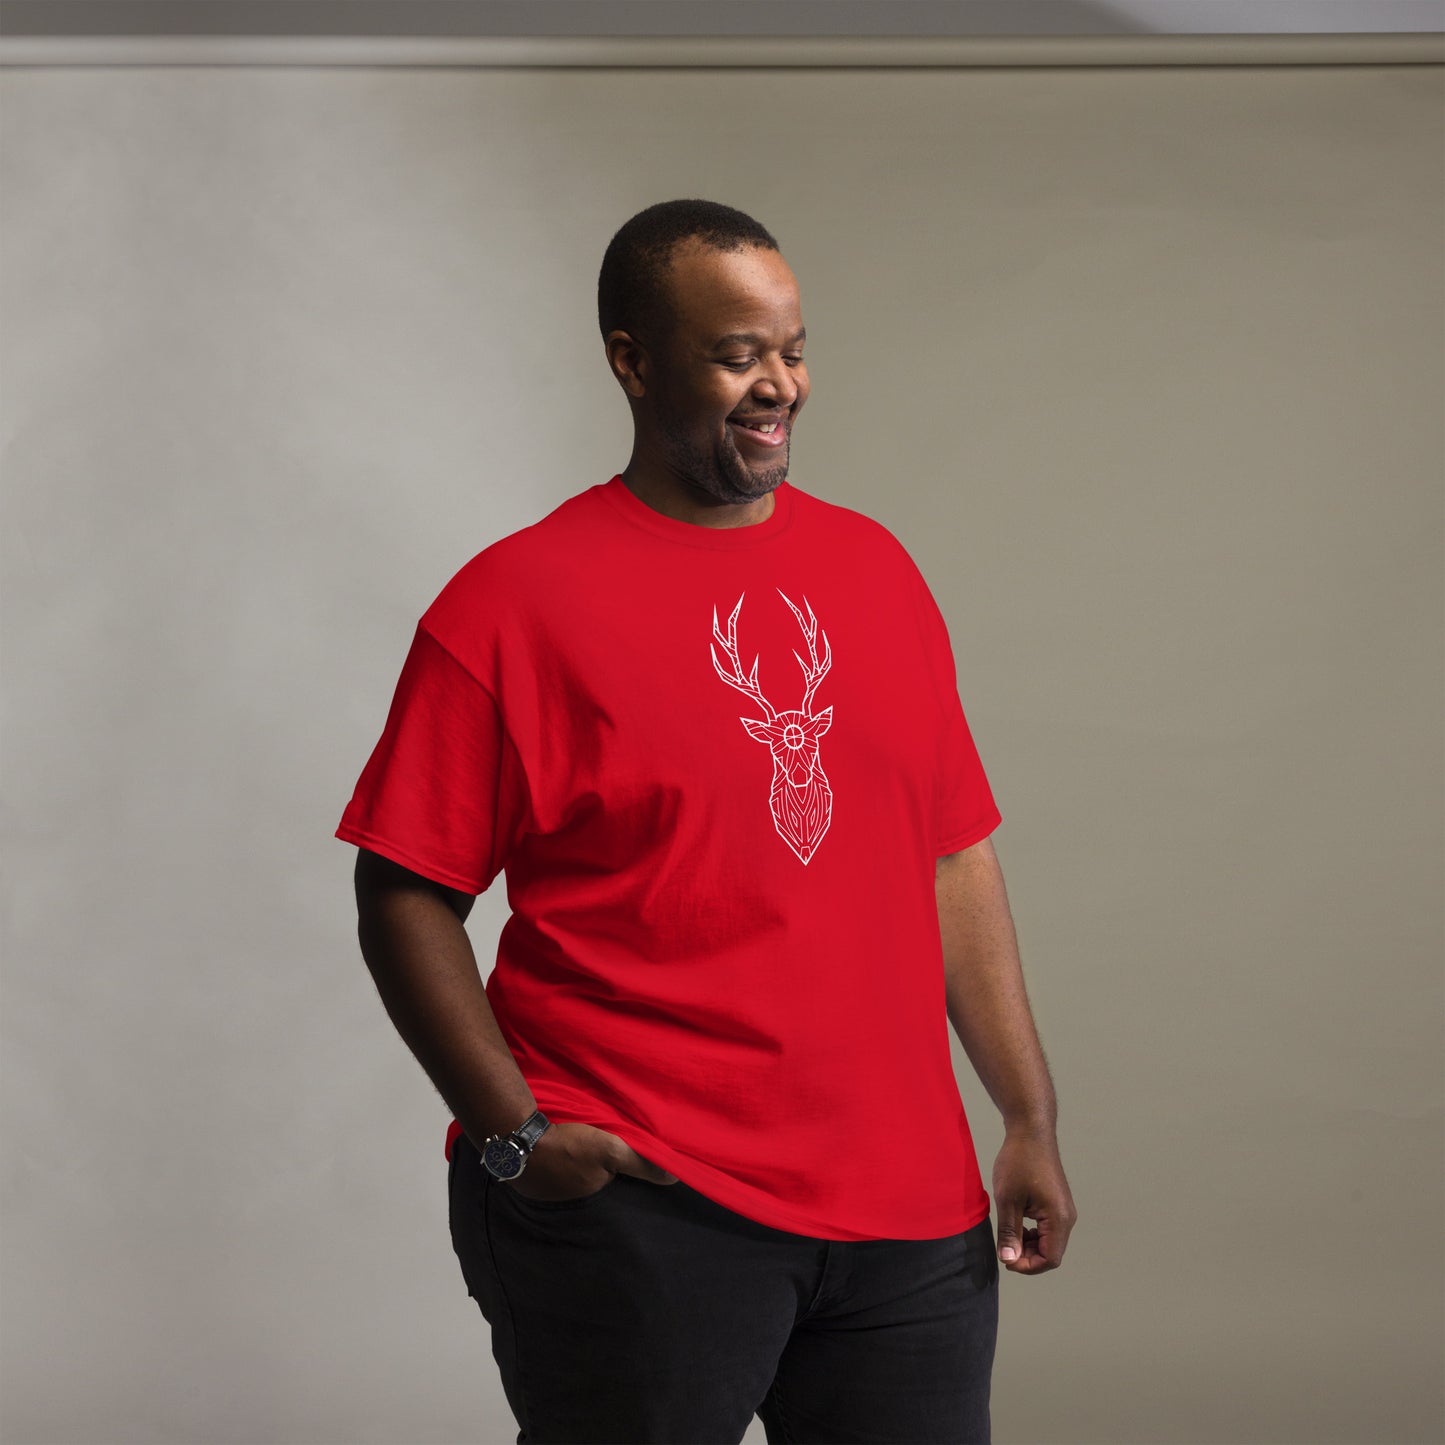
[[571, 1161]]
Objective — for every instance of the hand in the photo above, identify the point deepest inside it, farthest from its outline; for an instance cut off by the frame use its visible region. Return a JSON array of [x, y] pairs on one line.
[[1028, 1179], [571, 1161]]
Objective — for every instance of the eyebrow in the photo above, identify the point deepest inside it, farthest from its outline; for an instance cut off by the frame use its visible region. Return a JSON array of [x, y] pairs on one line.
[[747, 337]]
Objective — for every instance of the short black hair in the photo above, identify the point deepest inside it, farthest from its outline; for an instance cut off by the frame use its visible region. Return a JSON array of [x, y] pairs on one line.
[[632, 290]]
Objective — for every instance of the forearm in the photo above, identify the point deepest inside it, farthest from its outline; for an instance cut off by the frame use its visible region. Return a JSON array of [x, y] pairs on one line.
[[426, 973], [988, 1006]]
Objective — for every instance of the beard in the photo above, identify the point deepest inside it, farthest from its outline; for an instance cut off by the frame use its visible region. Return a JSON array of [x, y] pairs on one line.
[[721, 471]]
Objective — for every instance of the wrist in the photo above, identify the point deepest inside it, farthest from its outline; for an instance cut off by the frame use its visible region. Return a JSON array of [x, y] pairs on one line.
[[505, 1155], [1031, 1126]]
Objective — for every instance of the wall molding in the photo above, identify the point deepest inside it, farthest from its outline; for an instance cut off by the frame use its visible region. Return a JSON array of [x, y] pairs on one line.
[[725, 52]]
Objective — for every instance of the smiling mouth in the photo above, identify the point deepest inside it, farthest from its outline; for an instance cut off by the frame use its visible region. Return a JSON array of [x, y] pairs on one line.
[[771, 433]]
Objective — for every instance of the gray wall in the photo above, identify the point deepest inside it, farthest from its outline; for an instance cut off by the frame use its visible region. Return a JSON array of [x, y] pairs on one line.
[[1143, 365]]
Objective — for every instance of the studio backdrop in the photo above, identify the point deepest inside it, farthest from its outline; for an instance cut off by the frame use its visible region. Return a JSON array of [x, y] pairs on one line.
[[1143, 364]]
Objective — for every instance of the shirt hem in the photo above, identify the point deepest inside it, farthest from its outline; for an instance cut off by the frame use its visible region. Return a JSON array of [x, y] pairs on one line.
[[724, 1190], [976, 834], [362, 839]]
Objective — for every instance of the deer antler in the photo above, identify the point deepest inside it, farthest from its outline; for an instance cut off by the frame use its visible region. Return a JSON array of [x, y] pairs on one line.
[[729, 644], [812, 676]]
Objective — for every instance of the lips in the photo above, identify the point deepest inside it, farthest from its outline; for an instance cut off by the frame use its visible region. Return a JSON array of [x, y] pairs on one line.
[[745, 428]]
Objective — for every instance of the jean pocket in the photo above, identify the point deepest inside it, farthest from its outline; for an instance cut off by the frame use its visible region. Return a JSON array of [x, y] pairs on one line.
[[551, 1205], [979, 1253]]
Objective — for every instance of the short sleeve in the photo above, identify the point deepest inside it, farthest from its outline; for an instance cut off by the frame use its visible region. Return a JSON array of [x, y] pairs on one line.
[[964, 808], [444, 792]]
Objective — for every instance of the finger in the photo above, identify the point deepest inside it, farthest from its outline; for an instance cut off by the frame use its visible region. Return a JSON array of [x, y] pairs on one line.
[[1053, 1240], [621, 1158], [1010, 1229], [1033, 1260], [646, 1169]]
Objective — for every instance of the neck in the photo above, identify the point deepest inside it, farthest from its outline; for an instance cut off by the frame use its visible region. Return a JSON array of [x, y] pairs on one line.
[[666, 493]]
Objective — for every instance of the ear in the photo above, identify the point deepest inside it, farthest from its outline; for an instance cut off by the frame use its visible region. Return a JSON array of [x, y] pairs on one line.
[[629, 362]]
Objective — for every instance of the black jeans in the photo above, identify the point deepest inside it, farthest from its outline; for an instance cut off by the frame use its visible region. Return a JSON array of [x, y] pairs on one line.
[[650, 1313]]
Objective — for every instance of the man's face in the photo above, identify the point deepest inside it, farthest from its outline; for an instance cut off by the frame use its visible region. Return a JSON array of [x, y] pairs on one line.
[[737, 352]]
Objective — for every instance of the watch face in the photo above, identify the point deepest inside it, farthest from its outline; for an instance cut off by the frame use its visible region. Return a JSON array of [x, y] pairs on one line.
[[503, 1158]]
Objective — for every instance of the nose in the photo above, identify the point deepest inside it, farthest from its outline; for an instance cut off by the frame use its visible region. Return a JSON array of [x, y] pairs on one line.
[[781, 389]]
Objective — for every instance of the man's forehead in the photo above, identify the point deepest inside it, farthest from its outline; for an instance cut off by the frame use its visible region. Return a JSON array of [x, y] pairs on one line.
[[734, 295], [753, 338]]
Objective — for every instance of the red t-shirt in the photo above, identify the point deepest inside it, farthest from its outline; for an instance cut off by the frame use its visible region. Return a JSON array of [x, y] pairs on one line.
[[717, 766]]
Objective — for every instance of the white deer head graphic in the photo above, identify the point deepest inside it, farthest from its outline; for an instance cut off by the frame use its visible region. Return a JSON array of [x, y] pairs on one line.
[[801, 800]]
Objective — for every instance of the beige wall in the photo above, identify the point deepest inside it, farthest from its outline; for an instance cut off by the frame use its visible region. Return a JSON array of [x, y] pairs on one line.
[[1143, 365]]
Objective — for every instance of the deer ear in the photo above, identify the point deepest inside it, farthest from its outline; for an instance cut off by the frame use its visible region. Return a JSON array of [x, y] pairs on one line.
[[757, 729], [823, 721]]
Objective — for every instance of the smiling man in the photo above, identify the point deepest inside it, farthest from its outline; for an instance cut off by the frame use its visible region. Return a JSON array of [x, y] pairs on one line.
[[708, 1155], [713, 406]]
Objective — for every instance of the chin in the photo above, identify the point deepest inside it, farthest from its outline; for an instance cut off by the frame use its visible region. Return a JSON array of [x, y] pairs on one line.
[[761, 483]]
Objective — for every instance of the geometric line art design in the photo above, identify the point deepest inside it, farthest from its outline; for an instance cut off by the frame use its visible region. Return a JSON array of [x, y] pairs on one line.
[[801, 801]]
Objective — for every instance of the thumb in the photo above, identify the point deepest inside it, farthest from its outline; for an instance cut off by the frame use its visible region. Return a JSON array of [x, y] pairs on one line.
[[1010, 1230]]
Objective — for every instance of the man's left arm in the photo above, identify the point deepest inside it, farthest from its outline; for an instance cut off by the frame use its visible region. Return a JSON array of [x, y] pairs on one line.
[[990, 1013]]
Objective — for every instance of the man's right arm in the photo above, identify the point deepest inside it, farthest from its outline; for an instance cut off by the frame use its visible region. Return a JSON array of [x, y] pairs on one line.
[[412, 937]]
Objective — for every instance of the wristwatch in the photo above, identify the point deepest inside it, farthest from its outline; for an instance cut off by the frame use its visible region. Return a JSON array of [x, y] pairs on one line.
[[505, 1155]]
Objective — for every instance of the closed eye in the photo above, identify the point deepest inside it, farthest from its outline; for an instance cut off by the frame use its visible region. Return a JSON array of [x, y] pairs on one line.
[[743, 365]]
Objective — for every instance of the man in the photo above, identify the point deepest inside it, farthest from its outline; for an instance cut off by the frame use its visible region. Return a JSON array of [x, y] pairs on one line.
[[709, 1156]]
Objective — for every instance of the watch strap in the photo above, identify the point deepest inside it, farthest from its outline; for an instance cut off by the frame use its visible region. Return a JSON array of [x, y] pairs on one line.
[[531, 1129]]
